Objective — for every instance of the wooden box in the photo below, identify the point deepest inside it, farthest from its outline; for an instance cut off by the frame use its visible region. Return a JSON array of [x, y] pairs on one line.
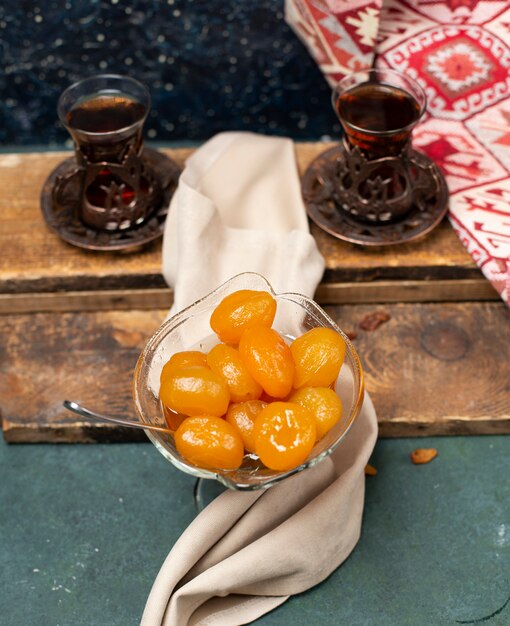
[[73, 322]]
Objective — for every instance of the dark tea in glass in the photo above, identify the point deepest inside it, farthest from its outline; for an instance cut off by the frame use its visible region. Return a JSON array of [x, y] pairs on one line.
[[105, 113]]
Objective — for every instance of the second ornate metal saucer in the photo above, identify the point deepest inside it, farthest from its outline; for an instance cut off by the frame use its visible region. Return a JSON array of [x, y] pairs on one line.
[[324, 197], [61, 209]]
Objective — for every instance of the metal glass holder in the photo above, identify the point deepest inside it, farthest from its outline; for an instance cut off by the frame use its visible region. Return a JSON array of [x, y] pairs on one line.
[[376, 202]]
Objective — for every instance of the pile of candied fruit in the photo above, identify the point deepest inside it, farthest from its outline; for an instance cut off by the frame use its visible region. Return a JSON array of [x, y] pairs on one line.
[[253, 393]]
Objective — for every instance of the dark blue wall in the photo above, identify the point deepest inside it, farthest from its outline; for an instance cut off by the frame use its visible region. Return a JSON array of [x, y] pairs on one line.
[[209, 65]]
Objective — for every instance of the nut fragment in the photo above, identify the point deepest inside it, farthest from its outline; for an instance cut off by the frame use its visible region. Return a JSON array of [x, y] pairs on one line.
[[371, 321], [370, 470], [351, 334], [423, 455]]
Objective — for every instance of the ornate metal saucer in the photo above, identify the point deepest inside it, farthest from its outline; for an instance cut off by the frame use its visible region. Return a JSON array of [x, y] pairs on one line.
[[60, 199], [345, 196]]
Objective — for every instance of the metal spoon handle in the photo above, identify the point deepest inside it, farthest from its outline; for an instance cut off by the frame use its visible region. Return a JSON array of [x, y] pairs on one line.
[[84, 412]]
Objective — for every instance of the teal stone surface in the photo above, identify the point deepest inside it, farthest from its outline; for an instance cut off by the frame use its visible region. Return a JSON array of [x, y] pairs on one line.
[[84, 530]]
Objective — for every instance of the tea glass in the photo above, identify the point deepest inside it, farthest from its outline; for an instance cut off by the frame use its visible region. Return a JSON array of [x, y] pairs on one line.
[[377, 175], [190, 329], [118, 190]]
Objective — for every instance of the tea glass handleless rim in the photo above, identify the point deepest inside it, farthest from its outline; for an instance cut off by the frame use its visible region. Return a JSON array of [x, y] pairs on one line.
[[103, 84], [384, 76], [147, 404]]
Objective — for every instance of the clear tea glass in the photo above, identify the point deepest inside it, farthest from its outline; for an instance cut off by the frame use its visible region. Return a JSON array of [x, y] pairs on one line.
[[377, 178], [378, 110], [105, 115]]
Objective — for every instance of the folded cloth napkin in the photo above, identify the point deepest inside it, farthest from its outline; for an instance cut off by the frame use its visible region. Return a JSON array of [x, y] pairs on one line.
[[459, 51], [238, 208]]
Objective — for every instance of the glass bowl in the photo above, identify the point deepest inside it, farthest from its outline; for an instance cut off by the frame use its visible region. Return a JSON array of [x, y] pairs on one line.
[[190, 330]]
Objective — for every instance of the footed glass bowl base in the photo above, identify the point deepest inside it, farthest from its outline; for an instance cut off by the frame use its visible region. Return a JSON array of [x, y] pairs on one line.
[[205, 491]]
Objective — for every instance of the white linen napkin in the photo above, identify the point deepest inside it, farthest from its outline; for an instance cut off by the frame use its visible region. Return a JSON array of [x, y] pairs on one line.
[[238, 208]]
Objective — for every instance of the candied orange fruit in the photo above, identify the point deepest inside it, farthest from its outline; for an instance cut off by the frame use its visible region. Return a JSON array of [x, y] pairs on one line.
[[285, 435], [195, 390], [241, 310], [318, 356], [227, 363], [268, 359], [322, 403], [242, 416], [210, 442], [182, 359]]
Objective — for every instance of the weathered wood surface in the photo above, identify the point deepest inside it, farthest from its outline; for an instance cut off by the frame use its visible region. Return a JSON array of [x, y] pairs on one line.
[[35, 261], [432, 369], [86, 357]]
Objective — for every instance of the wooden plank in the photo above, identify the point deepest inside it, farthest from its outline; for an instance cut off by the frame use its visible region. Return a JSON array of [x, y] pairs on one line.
[[406, 291], [34, 260], [432, 369], [328, 293], [436, 369], [439, 256], [86, 357], [96, 300]]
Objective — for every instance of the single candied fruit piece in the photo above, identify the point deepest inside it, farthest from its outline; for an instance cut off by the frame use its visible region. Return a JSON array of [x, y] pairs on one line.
[[242, 310], [227, 363], [242, 416], [420, 456], [268, 359], [322, 403], [182, 359], [370, 470], [208, 441], [318, 356], [195, 390], [285, 435]]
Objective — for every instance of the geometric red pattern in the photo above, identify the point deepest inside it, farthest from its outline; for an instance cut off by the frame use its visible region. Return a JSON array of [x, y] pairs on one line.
[[340, 35], [492, 129], [462, 158], [482, 216], [458, 51], [463, 69]]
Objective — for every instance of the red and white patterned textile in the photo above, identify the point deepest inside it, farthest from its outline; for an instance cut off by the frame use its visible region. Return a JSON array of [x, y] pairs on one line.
[[459, 51]]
